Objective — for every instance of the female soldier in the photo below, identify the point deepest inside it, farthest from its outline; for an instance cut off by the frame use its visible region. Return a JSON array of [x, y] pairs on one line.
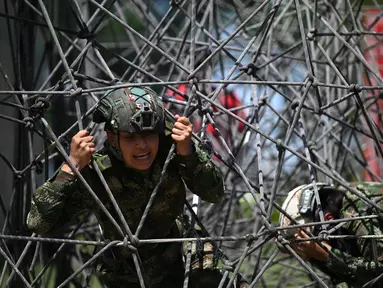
[[131, 162]]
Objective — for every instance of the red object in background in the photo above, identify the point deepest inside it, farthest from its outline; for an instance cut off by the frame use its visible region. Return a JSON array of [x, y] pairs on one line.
[[228, 101], [181, 88], [369, 152]]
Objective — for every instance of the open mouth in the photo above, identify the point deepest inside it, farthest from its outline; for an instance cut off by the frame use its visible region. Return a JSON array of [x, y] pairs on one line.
[[142, 156]]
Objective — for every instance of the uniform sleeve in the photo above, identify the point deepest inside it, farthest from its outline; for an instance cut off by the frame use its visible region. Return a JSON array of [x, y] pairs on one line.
[[55, 203], [200, 174], [369, 265], [359, 269]]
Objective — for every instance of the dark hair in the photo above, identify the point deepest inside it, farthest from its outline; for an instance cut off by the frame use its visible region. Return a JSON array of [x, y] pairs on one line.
[[331, 200]]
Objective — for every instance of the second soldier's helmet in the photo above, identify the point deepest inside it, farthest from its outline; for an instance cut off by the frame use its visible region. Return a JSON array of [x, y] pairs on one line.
[[132, 110], [300, 205]]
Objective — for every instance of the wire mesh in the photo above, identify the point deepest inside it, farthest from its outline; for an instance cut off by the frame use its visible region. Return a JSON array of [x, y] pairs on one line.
[[283, 92]]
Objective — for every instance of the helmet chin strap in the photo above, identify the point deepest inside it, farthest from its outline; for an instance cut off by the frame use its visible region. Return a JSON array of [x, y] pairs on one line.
[[115, 149]]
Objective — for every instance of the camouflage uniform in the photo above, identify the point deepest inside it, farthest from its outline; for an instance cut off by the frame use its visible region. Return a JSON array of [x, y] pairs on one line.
[[63, 196], [358, 265]]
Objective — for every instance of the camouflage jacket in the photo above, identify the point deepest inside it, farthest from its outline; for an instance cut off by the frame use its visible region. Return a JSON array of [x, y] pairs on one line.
[[63, 196], [359, 263]]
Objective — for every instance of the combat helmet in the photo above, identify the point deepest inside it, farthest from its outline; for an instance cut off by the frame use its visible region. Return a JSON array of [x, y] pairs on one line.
[[299, 205], [131, 110]]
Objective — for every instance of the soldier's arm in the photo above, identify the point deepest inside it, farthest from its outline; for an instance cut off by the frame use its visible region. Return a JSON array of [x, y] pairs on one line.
[[55, 203], [200, 174], [360, 269], [370, 265]]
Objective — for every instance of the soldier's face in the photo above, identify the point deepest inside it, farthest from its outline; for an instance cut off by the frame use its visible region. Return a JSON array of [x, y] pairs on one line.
[[139, 150]]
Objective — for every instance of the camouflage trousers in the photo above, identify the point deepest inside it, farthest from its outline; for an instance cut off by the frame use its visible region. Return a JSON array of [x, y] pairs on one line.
[[202, 273], [198, 278], [169, 266]]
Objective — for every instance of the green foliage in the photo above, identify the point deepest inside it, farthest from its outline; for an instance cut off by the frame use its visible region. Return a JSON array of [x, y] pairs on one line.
[[115, 32]]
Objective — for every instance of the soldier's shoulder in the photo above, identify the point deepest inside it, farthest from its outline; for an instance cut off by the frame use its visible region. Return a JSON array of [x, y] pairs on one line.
[[370, 189], [168, 128], [103, 161]]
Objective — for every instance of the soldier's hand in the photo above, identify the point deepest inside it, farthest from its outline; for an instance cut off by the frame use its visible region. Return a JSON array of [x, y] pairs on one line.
[[310, 249], [181, 134], [81, 150]]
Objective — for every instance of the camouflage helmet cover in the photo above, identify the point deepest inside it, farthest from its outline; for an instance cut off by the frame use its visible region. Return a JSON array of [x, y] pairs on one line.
[[299, 205], [132, 110]]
